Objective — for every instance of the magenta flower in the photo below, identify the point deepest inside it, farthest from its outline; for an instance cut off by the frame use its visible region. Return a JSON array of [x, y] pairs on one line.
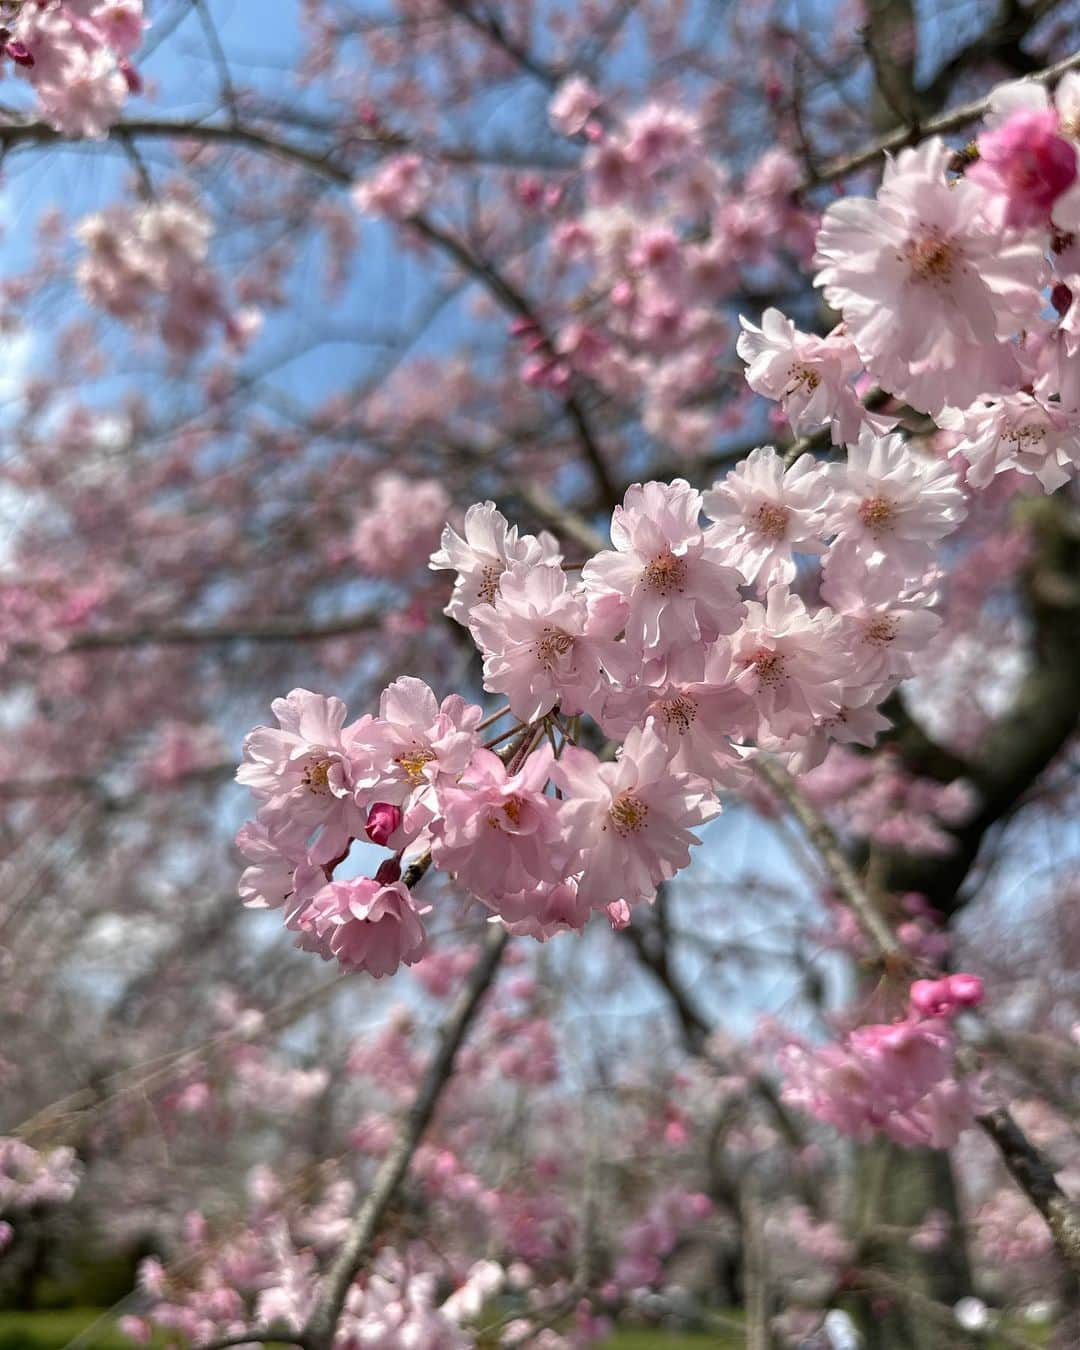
[[1026, 163]]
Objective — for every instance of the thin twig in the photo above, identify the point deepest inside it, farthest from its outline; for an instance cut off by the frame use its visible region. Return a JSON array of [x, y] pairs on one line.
[[840, 870]]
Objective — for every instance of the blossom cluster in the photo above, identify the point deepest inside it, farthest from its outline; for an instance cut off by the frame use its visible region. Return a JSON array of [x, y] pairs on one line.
[[685, 643], [29, 1179], [894, 1078], [148, 266], [77, 55], [942, 281], [269, 1274]]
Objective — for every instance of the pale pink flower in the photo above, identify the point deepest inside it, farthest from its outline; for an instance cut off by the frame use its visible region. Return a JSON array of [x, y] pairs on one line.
[[1027, 164], [88, 98], [883, 627], [414, 744], [497, 831], [483, 554], [808, 376], [274, 856], [694, 711], [397, 531], [366, 926], [788, 661], [630, 821], [542, 642], [765, 514], [398, 189], [572, 104], [669, 572], [892, 505], [660, 136], [303, 770], [930, 289], [1018, 432], [543, 911], [121, 24]]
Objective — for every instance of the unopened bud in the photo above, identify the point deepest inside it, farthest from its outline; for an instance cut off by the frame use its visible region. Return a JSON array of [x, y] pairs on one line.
[[383, 819]]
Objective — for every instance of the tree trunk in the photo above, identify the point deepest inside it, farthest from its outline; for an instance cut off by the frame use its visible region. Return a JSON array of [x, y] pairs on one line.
[[895, 1188]]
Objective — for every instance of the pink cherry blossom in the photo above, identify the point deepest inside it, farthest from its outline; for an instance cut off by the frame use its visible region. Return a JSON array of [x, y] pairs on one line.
[[366, 926], [764, 513], [396, 533], [630, 821], [572, 104], [930, 289], [892, 505], [1018, 432], [496, 830], [543, 643], [1027, 164], [303, 770], [415, 742], [480, 557], [671, 574], [787, 661], [809, 376]]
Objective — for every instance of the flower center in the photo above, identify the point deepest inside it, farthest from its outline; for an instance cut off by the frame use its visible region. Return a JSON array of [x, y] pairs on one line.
[[802, 377], [1026, 438], [930, 258], [553, 644], [627, 813], [317, 777], [771, 520], [876, 513], [412, 762], [511, 809], [881, 630], [665, 573], [769, 667], [678, 711], [489, 583]]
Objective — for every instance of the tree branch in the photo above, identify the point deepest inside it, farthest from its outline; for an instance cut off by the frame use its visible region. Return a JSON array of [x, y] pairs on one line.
[[1033, 1174], [319, 1332], [840, 870], [936, 126]]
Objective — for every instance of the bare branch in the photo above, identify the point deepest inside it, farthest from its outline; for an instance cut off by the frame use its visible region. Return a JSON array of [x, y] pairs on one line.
[[953, 120], [1034, 1175], [840, 870], [319, 1333]]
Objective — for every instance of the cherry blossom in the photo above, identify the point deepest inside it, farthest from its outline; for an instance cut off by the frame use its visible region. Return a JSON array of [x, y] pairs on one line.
[[930, 289], [670, 572], [629, 822], [764, 514]]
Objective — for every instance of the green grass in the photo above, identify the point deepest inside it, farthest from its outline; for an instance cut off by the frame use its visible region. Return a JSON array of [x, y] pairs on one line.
[[652, 1339], [52, 1330]]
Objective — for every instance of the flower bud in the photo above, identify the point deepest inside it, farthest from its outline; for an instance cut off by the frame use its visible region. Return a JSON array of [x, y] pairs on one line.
[[383, 819]]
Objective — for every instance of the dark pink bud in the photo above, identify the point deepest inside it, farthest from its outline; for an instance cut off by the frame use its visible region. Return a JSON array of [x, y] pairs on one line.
[[383, 819], [132, 78], [389, 872], [20, 53], [967, 990], [932, 998], [1061, 298]]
